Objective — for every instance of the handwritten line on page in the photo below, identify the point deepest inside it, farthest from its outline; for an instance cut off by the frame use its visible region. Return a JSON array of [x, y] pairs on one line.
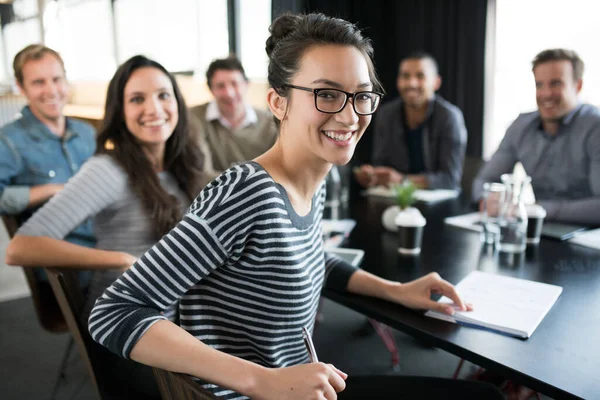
[[508, 305]]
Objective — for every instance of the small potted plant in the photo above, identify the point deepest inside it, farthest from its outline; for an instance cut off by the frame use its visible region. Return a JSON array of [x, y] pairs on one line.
[[405, 194], [405, 197]]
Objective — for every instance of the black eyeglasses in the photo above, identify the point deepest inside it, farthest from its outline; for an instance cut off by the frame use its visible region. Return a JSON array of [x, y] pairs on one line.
[[332, 101]]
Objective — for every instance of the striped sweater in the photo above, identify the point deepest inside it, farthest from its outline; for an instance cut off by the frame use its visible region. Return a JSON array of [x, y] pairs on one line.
[[247, 269]]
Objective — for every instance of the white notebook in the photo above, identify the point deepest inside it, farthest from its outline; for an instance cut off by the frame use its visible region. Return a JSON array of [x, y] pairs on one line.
[[508, 305]]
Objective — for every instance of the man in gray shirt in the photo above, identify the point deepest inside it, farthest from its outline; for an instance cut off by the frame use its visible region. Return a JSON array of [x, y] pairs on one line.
[[558, 145], [419, 136]]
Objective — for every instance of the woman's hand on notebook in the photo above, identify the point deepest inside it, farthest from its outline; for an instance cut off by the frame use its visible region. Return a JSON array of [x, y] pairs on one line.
[[417, 294]]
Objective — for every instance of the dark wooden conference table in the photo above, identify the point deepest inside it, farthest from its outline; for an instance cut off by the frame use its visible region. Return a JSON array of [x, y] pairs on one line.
[[562, 357]]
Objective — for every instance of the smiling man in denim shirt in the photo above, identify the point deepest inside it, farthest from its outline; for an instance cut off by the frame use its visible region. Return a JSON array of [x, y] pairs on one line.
[[42, 149]]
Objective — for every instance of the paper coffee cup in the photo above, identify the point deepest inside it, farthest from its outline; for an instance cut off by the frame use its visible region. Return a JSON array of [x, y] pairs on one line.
[[410, 223], [535, 221]]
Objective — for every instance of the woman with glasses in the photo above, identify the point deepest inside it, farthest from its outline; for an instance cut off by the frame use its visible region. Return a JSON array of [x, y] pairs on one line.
[[247, 261]]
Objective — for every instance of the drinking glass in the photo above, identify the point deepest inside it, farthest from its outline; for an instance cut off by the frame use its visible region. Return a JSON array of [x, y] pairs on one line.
[[490, 207], [513, 216]]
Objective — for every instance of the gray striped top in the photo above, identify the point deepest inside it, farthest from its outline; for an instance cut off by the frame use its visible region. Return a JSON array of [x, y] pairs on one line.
[[247, 268], [101, 190]]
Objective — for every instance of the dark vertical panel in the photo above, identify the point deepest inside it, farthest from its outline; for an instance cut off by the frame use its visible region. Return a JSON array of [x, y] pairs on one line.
[[7, 14], [233, 27], [279, 7]]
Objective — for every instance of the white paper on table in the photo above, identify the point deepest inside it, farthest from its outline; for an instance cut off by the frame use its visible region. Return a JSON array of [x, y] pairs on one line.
[[588, 239], [380, 191], [471, 221], [425, 196], [434, 196], [509, 305]]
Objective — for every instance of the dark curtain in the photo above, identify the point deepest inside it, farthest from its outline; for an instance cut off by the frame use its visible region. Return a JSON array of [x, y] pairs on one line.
[[453, 31]]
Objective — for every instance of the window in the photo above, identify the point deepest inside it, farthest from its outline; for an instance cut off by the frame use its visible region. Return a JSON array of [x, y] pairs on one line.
[[25, 9], [183, 35], [19, 29], [19, 34], [212, 34], [5, 65], [81, 31], [159, 30], [255, 19], [523, 29], [94, 36]]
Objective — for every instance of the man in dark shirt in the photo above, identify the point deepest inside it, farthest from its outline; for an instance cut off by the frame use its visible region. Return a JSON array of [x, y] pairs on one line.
[[419, 136]]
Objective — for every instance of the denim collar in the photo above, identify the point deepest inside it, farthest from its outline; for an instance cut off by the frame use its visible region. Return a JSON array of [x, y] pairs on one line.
[[39, 131]]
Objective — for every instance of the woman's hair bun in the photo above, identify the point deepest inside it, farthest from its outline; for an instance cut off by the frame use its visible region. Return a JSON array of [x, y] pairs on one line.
[[279, 29]]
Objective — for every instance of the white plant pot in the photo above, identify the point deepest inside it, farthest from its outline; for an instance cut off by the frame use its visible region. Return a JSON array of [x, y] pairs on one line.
[[410, 223], [388, 218]]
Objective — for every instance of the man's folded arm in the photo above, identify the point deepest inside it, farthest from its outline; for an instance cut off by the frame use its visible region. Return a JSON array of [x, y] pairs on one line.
[[582, 211]]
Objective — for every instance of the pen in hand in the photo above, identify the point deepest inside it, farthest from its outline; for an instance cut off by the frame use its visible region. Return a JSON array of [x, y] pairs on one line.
[[312, 354], [310, 347]]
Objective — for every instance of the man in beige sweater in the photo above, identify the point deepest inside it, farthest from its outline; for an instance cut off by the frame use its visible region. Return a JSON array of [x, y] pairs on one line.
[[231, 130]]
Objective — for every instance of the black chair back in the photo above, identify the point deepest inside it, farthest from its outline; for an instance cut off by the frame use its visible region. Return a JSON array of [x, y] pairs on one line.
[[46, 308], [71, 301]]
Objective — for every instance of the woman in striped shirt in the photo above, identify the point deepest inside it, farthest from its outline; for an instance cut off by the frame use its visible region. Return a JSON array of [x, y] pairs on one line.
[[247, 260], [144, 175]]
